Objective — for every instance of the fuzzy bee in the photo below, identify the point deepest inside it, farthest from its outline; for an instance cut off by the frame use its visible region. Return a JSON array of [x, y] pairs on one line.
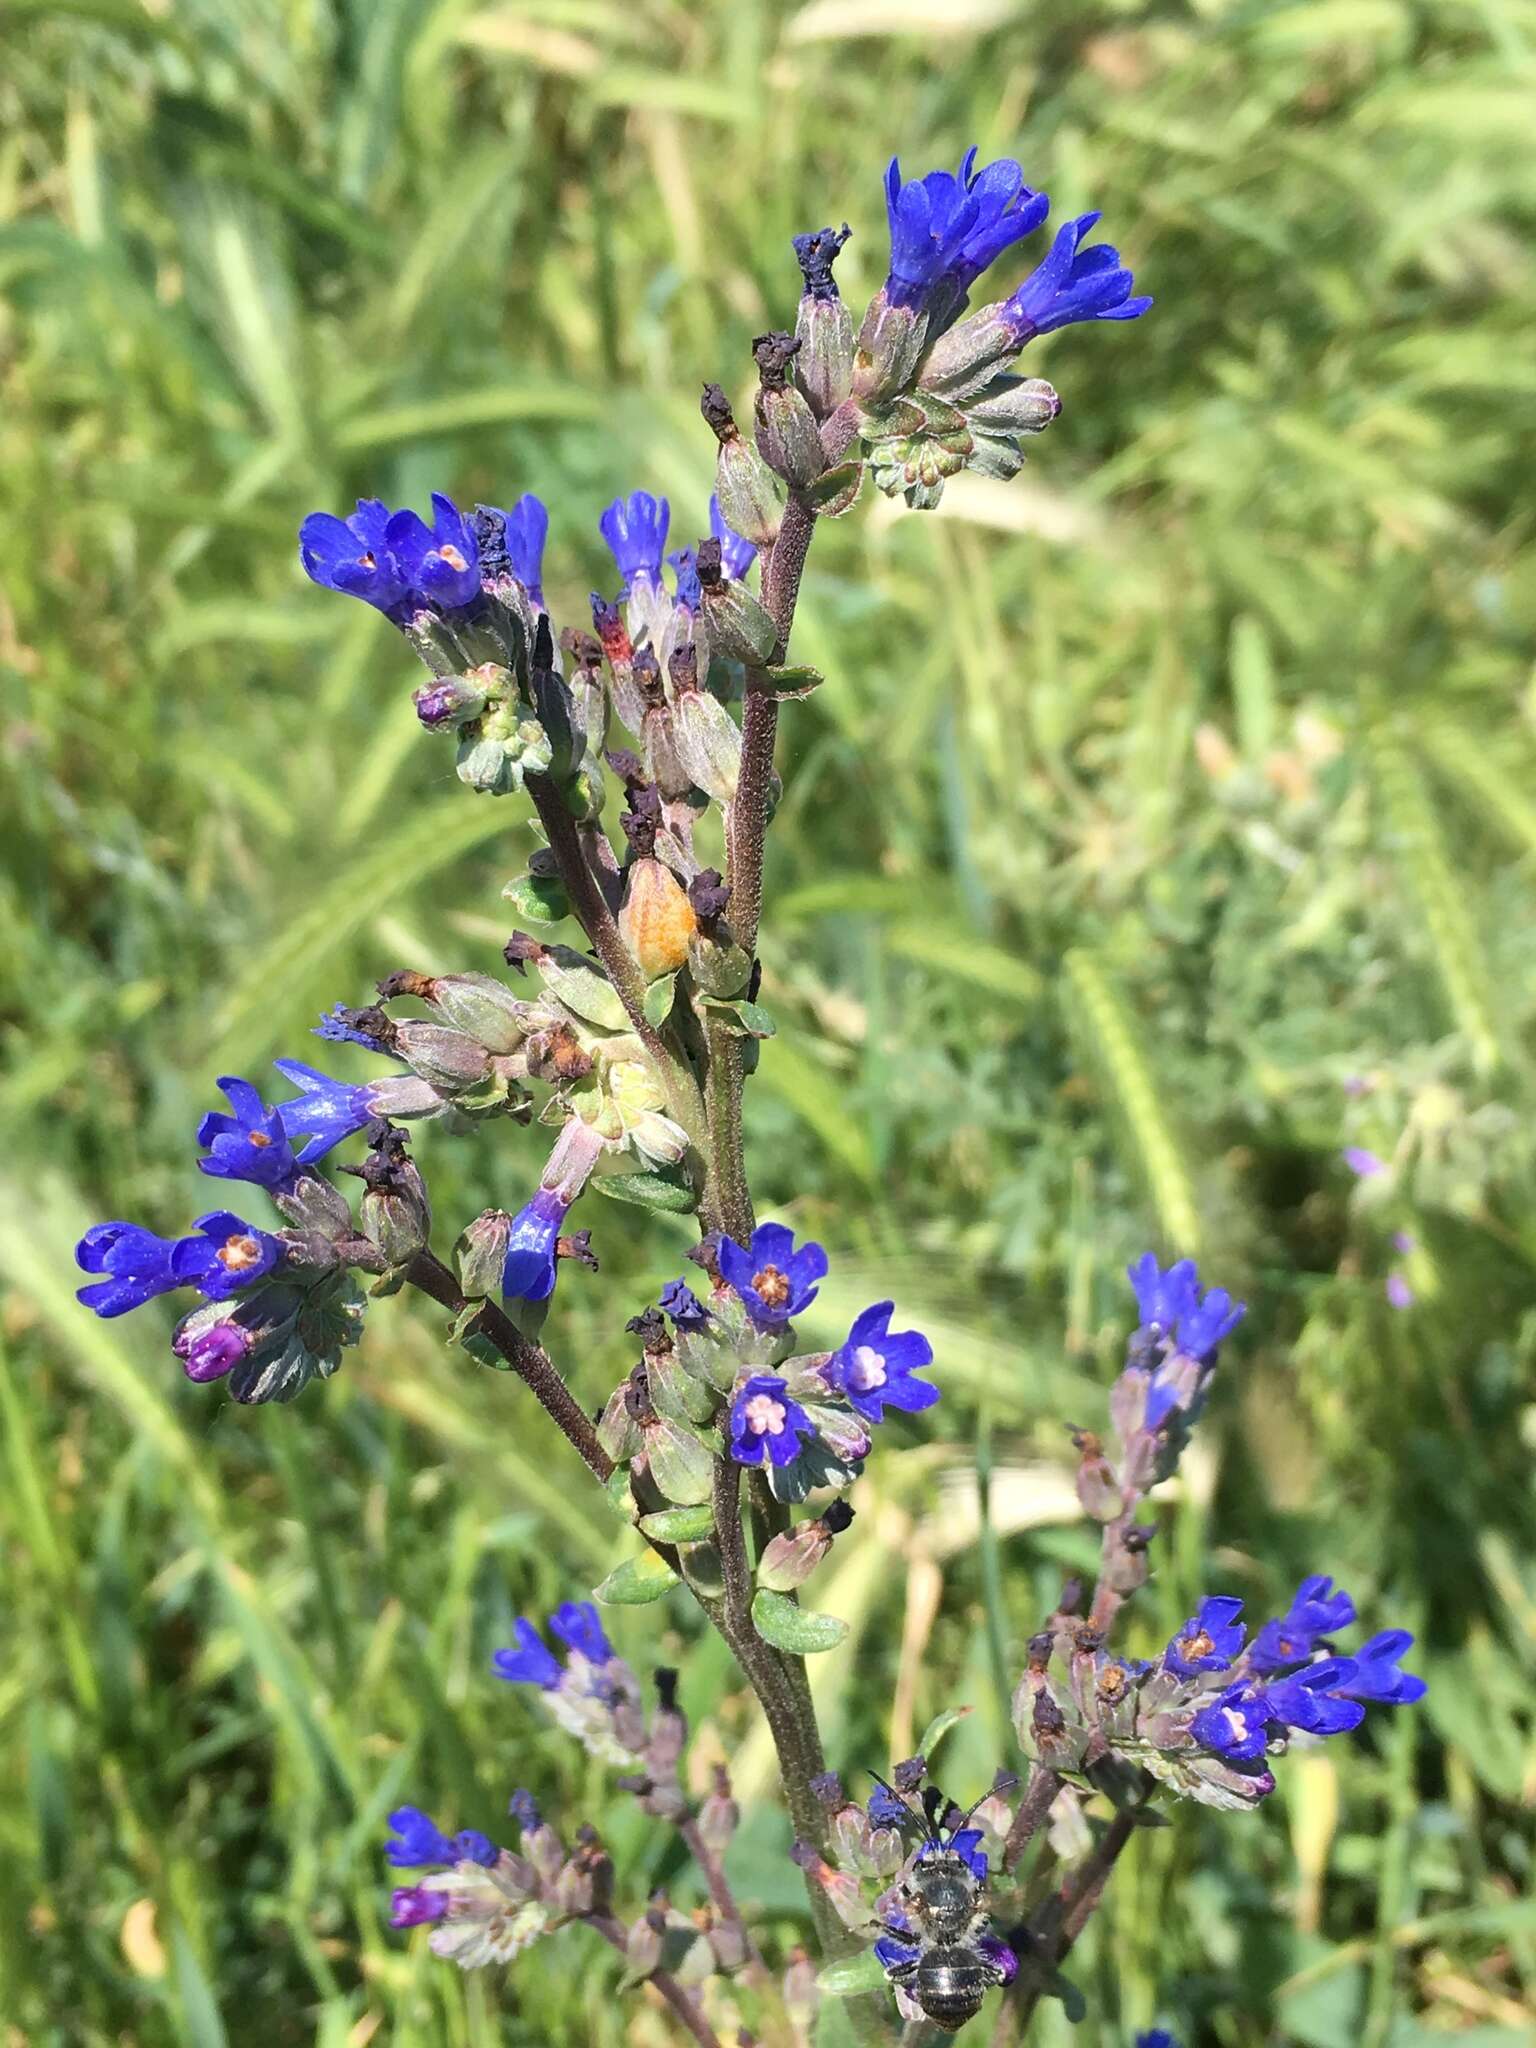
[[939, 1946]]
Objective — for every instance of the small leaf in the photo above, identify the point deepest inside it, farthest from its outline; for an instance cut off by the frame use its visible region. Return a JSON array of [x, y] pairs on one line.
[[796, 1629], [784, 682], [620, 1494], [637, 1582], [465, 1332], [851, 1976], [678, 1525], [743, 1019], [1073, 2003], [836, 491], [680, 1464], [658, 1000], [703, 1570], [939, 1727], [538, 898], [663, 1189]]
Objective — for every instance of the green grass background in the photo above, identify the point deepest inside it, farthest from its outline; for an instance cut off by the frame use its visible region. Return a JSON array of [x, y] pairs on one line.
[[1153, 804]]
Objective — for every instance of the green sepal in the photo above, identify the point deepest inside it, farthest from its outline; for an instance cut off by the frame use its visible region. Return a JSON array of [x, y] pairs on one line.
[[995, 456], [658, 1000], [538, 898], [796, 1629], [899, 420], [587, 994], [703, 1570], [852, 1976], [836, 491], [939, 416], [743, 1019], [784, 682], [664, 1188], [465, 1332], [679, 1525], [682, 1466], [621, 1497], [637, 1581]]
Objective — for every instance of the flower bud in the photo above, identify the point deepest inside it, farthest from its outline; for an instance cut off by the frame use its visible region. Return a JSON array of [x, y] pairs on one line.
[[719, 1816], [841, 1888], [788, 438], [477, 1004], [964, 361], [751, 496], [739, 627], [642, 1949], [397, 1217], [657, 920], [449, 701], [481, 1252], [801, 1994], [888, 349], [1097, 1487], [1015, 405], [450, 1060]]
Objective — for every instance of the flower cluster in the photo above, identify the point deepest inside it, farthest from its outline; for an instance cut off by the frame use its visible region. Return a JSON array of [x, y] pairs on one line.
[[592, 1694]]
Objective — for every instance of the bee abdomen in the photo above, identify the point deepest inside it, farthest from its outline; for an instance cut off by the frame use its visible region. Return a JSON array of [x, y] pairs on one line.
[[950, 1985]]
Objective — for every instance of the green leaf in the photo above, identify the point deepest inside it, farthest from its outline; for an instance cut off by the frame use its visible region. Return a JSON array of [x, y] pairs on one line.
[[678, 1525], [680, 1465], [836, 491], [664, 1189], [852, 1975], [658, 1000], [784, 682], [796, 1629], [743, 1019], [538, 898], [939, 1727], [637, 1582]]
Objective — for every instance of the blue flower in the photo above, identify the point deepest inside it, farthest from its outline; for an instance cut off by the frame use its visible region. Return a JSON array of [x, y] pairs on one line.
[[440, 562], [512, 544], [470, 1846], [736, 555], [635, 529], [532, 1663], [524, 1809], [1072, 284], [966, 1844], [1006, 211], [886, 1810], [136, 1262], [250, 1144], [874, 1370], [1205, 1327], [1209, 1640], [326, 1112], [414, 1906], [339, 1026], [773, 1280], [1376, 1676], [1156, 2037], [679, 1301], [418, 1840], [230, 1254], [1162, 1297], [766, 1425], [894, 1954], [529, 1271], [577, 1625], [685, 567], [1313, 1700], [1234, 1725], [1315, 1611], [354, 556]]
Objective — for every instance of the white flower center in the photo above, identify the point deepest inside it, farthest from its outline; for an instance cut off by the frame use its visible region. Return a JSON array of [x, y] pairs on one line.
[[764, 1416], [866, 1369], [1237, 1723]]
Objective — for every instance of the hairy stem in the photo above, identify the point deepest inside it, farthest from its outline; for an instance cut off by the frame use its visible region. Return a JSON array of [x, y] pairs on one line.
[[529, 1361], [682, 2002], [1064, 1917], [1034, 1808]]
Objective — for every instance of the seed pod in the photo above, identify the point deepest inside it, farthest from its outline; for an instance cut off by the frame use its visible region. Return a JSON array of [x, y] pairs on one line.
[[888, 349], [739, 627], [481, 1252], [708, 738], [450, 1060], [477, 1004], [751, 496], [398, 1217], [823, 325], [788, 438], [657, 920]]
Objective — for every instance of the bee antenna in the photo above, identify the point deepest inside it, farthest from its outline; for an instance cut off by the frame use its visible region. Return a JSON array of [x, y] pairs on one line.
[[922, 1819]]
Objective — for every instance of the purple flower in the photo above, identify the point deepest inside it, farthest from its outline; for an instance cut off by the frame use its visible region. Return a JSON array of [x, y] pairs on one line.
[[1209, 1640], [1235, 1725], [635, 529], [1072, 284], [354, 556], [765, 1423], [685, 568], [216, 1349], [679, 1301], [1312, 1699], [229, 1255], [1365, 1165], [532, 1663], [1399, 1293], [577, 1625], [773, 1280], [327, 1111], [250, 1144], [136, 1262], [440, 562], [512, 544], [529, 1271], [524, 1809], [1000, 1956], [1162, 1297], [736, 555], [886, 1810], [947, 228], [418, 1840], [874, 1370], [1376, 1676], [1315, 1611], [414, 1906], [894, 1954]]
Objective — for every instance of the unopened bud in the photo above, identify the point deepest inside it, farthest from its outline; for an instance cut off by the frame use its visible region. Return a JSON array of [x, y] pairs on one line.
[[788, 438], [751, 496], [719, 1816], [450, 1060], [909, 1774], [1015, 405], [481, 1252], [791, 1557], [1097, 1487], [642, 1949], [964, 361], [801, 1994], [446, 702], [657, 920]]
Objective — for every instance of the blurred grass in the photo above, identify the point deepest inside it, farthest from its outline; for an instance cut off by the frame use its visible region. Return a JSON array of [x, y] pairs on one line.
[[1166, 825]]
